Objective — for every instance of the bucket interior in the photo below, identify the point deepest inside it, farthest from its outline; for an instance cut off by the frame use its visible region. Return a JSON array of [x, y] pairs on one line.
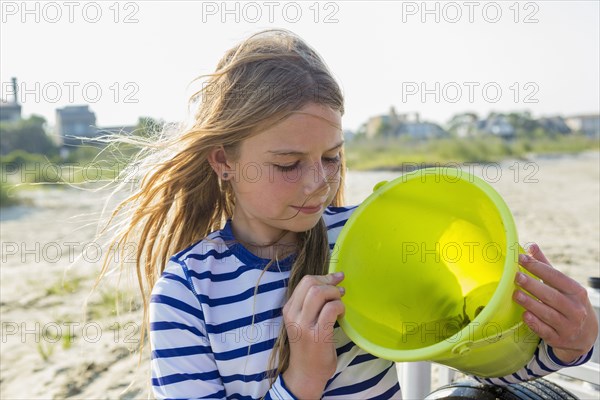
[[423, 259]]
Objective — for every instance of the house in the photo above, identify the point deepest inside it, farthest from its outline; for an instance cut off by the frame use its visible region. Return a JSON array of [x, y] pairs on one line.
[[396, 125], [377, 124], [11, 110], [420, 130], [588, 124], [497, 125], [74, 122], [464, 125], [554, 125]]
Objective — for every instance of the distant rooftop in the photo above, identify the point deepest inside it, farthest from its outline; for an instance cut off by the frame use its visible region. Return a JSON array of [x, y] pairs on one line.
[[73, 109], [584, 116]]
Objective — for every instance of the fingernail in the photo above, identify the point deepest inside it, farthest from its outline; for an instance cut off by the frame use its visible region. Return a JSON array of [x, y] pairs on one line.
[[521, 278], [533, 248], [342, 290], [523, 258], [519, 297], [338, 275]]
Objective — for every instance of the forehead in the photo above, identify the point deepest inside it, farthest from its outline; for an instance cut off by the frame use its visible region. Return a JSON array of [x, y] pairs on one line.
[[312, 128]]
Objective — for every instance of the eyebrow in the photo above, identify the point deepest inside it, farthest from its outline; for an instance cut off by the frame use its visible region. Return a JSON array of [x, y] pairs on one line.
[[299, 153]]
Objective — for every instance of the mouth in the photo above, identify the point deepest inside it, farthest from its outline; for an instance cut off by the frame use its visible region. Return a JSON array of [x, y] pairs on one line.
[[309, 209]]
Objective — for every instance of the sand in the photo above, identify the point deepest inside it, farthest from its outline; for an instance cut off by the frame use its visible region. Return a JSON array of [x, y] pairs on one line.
[[49, 351]]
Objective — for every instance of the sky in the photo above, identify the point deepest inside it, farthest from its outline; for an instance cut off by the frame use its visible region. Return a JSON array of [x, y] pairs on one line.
[[139, 58]]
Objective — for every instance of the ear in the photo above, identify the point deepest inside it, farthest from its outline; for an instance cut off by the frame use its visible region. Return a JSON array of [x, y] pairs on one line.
[[217, 159]]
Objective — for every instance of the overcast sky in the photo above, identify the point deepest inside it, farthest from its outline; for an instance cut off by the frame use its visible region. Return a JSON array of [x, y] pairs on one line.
[[132, 59]]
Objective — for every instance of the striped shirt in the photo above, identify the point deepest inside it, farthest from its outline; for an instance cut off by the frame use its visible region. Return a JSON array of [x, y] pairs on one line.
[[212, 328]]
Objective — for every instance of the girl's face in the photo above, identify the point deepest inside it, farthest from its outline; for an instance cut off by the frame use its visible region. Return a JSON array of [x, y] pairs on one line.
[[286, 175]]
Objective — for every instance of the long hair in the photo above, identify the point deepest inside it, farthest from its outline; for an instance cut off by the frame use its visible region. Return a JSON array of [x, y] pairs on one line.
[[180, 199]]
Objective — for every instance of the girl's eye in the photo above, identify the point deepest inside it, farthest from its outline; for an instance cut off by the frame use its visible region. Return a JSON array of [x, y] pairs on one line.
[[287, 168], [332, 160]]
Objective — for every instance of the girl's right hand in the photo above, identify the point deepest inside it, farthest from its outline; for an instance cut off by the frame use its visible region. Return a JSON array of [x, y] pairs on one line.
[[309, 317]]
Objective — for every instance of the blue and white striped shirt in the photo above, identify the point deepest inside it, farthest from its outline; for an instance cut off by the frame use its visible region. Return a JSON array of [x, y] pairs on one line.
[[211, 336]]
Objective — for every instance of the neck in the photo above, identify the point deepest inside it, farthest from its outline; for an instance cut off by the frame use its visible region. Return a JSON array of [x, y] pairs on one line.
[[275, 244], [277, 251]]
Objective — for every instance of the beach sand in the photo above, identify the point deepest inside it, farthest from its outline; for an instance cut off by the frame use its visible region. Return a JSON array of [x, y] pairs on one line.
[[50, 351]]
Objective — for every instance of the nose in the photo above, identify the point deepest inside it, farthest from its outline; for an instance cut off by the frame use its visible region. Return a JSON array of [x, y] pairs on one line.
[[315, 180]]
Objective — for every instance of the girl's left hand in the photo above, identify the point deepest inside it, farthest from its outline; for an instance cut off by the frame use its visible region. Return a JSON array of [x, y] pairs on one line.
[[563, 316]]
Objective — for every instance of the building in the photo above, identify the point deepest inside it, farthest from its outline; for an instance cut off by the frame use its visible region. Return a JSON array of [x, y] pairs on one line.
[[420, 130], [497, 125], [377, 124], [464, 125], [396, 125], [73, 123], [11, 110], [588, 124], [554, 125]]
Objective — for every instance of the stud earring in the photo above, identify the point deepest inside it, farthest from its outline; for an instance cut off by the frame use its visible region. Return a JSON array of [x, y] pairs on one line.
[[225, 175]]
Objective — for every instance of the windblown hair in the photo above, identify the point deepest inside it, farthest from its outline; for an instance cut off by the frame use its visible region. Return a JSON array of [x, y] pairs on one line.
[[180, 199]]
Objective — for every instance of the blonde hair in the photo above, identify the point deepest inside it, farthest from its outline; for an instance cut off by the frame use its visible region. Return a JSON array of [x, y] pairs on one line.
[[180, 199]]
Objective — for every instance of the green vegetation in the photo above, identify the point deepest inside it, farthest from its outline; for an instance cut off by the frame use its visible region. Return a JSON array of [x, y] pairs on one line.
[[54, 333], [85, 164], [5, 198], [105, 306], [67, 339], [45, 349], [27, 135], [393, 153], [29, 156], [66, 286], [111, 302]]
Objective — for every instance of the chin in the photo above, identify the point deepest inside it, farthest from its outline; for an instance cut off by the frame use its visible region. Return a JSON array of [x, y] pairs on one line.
[[304, 223]]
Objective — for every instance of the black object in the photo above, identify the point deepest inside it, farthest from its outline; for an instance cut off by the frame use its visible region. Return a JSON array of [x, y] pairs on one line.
[[538, 389], [594, 282]]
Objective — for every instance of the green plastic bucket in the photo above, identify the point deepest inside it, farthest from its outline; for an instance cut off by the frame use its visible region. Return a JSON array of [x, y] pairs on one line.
[[430, 260]]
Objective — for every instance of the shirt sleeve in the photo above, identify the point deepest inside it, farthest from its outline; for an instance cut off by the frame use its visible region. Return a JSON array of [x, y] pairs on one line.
[[543, 362], [182, 361], [183, 365], [279, 391]]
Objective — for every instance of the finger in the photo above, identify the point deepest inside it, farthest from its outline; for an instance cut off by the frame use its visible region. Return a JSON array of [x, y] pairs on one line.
[[316, 298], [549, 275], [330, 313], [335, 277], [294, 304], [540, 328], [534, 250], [543, 312], [545, 293], [296, 300]]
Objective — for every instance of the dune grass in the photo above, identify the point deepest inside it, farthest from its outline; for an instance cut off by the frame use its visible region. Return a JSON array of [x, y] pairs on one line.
[[405, 153], [6, 197]]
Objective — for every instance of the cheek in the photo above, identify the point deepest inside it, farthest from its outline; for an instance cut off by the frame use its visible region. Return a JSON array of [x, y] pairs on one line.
[[252, 173], [289, 178], [333, 175], [333, 171], [334, 186], [277, 185]]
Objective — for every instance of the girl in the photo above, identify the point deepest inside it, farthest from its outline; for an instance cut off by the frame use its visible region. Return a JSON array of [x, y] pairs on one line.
[[249, 200]]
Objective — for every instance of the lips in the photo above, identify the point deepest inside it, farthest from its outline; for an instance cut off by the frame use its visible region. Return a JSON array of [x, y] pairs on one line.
[[309, 209]]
